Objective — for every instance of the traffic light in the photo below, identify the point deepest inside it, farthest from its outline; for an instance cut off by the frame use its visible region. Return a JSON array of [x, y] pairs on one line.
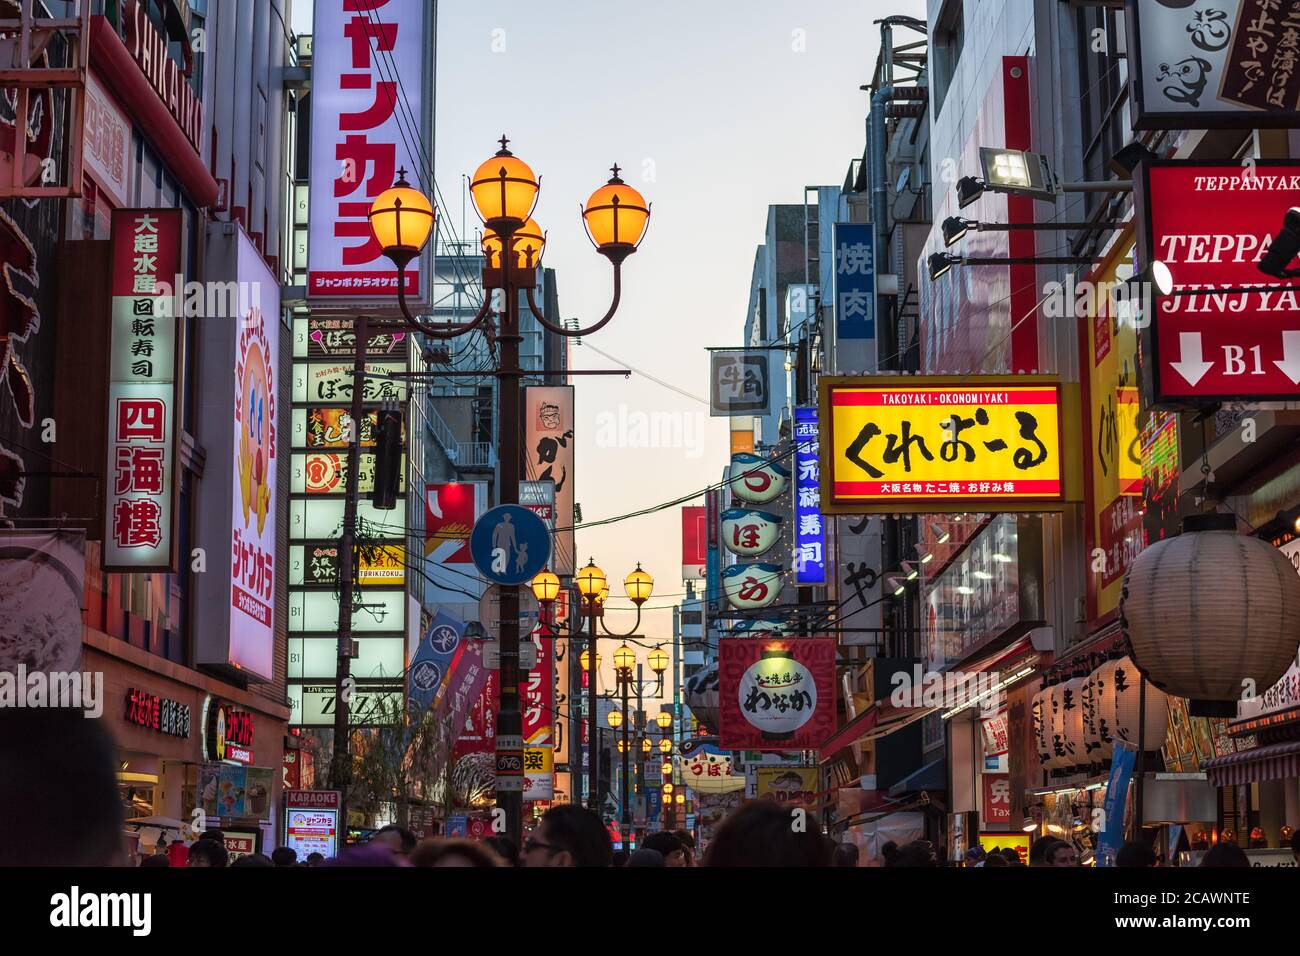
[[388, 458]]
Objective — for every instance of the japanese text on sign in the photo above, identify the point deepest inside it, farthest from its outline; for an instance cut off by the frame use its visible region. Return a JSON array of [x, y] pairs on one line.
[[907, 443]]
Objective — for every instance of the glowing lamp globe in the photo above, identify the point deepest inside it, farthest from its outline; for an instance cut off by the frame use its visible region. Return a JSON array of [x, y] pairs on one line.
[[401, 219], [504, 190], [615, 719], [590, 580], [638, 586], [665, 718], [526, 246], [625, 659], [616, 217], [546, 585]]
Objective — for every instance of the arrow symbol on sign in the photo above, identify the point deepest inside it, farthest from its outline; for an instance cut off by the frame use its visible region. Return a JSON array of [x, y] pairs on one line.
[[1290, 361], [1191, 367]]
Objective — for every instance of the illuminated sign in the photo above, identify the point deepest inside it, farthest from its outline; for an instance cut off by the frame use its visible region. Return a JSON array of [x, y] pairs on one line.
[[142, 402], [750, 586], [749, 533], [809, 532], [776, 694], [1211, 224], [757, 480], [152, 712], [945, 444], [227, 732], [363, 130]]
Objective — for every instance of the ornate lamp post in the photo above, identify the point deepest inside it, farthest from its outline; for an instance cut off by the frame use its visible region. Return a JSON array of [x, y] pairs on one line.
[[593, 587], [504, 190]]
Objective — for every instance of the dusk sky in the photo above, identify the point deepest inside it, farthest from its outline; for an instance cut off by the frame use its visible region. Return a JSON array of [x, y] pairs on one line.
[[714, 111]]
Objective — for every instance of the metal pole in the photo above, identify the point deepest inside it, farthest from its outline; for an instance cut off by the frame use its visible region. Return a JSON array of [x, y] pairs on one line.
[[510, 741], [645, 734], [341, 772], [624, 679], [593, 736], [576, 748], [1140, 769]]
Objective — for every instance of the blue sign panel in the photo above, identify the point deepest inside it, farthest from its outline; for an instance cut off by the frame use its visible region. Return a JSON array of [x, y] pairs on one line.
[[855, 281], [809, 534], [510, 544], [432, 661], [1112, 834]]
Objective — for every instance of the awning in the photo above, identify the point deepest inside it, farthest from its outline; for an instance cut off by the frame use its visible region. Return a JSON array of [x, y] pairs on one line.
[[1274, 762], [933, 776]]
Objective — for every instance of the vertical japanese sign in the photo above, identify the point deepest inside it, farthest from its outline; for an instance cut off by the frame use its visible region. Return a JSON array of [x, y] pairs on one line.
[[695, 557], [255, 464], [140, 502], [809, 535], [855, 281], [368, 120], [1113, 419], [238, 411], [537, 691], [548, 450]]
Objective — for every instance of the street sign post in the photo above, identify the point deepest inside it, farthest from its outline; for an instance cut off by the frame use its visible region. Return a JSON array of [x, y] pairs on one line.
[[510, 544]]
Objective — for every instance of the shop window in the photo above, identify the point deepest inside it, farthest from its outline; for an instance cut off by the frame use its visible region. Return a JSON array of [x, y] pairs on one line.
[[946, 44]]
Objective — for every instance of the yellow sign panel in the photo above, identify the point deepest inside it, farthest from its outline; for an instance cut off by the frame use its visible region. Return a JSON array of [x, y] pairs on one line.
[[933, 444]]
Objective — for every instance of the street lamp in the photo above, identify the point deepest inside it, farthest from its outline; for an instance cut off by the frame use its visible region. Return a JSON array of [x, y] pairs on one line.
[[594, 588], [504, 190], [546, 586], [666, 746], [615, 719], [664, 720], [658, 660]]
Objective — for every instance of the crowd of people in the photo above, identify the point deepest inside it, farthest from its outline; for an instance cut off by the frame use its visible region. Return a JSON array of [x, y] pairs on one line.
[[57, 773]]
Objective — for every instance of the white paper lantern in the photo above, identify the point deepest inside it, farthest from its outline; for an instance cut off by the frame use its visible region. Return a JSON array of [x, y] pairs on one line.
[[1211, 612], [1097, 735], [1054, 721], [1076, 754], [1126, 712], [1038, 713]]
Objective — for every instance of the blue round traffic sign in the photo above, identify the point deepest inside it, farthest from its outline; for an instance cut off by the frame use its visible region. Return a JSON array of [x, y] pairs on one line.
[[510, 544]]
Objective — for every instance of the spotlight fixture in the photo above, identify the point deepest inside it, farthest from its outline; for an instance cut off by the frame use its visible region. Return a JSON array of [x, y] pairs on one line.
[[1017, 172], [942, 534], [1284, 248], [969, 189], [1127, 159], [941, 262], [954, 227]]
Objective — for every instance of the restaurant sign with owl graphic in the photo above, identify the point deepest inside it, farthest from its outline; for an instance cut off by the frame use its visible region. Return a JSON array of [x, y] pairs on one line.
[[239, 388]]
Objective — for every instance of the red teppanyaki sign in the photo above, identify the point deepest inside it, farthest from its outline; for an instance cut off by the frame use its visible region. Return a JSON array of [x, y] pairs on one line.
[[1211, 224], [776, 694]]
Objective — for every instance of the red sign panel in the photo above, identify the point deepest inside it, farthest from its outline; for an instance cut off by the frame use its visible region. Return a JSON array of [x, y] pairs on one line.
[[1211, 224], [449, 516], [140, 533], [695, 555], [537, 691], [776, 694], [997, 798]]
